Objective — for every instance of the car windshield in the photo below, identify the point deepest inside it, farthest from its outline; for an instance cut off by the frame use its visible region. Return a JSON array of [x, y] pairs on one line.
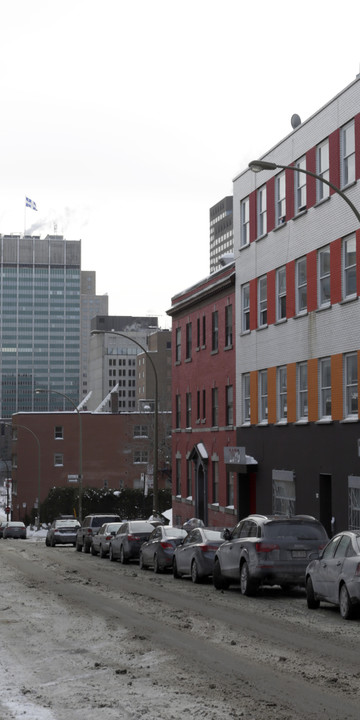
[[67, 523], [174, 532], [299, 531], [98, 521], [113, 527], [212, 534]]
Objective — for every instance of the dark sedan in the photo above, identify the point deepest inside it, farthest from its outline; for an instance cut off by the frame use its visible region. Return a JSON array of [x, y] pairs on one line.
[[126, 544], [334, 576], [195, 555], [62, 532], [158, 551], [13, 529]]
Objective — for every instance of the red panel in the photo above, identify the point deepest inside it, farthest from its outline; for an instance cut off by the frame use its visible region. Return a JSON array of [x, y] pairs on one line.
[[290, 289], [270, 204], [311, 182], [335, 271], [334, 159], [252, 215], [271, 280], [253, 304], [357, 146], [290, 183], [311, 281]]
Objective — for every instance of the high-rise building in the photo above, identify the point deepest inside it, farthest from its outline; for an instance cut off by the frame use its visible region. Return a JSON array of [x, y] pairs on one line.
[[221, 232], [91, 305], [39, 321]]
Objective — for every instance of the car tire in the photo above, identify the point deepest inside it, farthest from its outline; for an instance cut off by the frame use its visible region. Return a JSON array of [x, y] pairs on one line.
[[142, 565], [157, 568], [195, 577], [176, 573], [78, 547], [111, 554], [47, 542], [312, 602], [102, 552], [247, 586], [123, 559], [86, 548], [92, 550], [346, 609], [53, 543], [219, 582]]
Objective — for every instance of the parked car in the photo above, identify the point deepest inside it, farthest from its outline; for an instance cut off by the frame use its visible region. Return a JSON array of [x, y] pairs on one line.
[[14, 529], [101, 539], [126, 544], [158, 550], [89, 527], [334, 576], [2, 525], [267, 550], [195, 554], [62, 532]]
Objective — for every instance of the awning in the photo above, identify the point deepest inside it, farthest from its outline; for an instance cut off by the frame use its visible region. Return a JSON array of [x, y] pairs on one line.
[[236, 460], [199, 450]]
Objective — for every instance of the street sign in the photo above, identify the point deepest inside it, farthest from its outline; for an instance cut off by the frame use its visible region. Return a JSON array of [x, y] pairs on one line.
[[73, 478]]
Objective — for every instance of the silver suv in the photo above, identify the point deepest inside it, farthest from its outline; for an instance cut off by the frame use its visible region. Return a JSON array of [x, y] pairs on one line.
[[267, 550]]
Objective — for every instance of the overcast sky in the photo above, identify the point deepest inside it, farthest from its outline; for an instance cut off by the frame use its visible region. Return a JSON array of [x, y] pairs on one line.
[[125, 121]]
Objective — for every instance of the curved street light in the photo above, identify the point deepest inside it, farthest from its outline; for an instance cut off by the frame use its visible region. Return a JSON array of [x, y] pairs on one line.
[[259, 165], [24, 427], [155, 452], [38, 391]]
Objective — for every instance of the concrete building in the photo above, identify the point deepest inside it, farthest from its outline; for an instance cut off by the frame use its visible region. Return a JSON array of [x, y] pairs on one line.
[[159, 352], [221, 231], [91, 305]]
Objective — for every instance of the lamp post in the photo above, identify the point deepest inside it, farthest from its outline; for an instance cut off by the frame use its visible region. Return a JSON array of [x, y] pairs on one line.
[[39, 465], [258, 165], [155, 452], [57, 392]]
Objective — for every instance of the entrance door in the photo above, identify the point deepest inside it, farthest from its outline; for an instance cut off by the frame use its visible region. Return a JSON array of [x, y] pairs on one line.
[[201, 499], [325, 503]]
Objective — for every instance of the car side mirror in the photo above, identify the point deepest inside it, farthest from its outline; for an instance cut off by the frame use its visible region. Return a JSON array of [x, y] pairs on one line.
[[226, 534], [113, 532]]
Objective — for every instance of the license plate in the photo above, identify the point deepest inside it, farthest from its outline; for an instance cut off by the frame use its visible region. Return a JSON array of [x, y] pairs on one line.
[[298, 553]]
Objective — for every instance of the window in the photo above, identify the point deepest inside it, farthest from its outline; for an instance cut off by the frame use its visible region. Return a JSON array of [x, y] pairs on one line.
[[204, 404], [58, 459], [140, 456], [215, 331], [198, 332], [302, 391], [261, 212], [245, 308], [349, 266], [229, 489], [301, 286], [198, 404], [204, 330], [229, 409], [281, 293], [324, 276], [263, 397], [178, 476], [188, 410], [178, 411], [351, 385], [347, 153], [322, 169], [325, 388], [140, 431], [215, 481], [188, 340], [283, 493], [262, 308], [59, 432], [246, 397], [354, 502], [282, 392], [215, 407], [228, 326], [178, 345], [300, 186], [189, 478], [244, 222], [280, 199]]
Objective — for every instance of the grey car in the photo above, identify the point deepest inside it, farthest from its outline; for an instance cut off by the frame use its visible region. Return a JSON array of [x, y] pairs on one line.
[[158, 551], [62, 532], [268, 550], [334, 576], [101, 539], [195, 555], [13, 529], [126, 544]]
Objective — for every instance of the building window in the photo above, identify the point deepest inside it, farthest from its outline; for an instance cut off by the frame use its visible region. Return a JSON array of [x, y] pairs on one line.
[[215, 331], [204, 405], [188, 410], [301, 286], [189, 478], [262, 307], [300, 186], [178, 476], [322, 169], [228, 326], [59, 432], [263, 396], [261, 212], [245, 308], [347, 152], [282, 392], [283, 493], [215, 407], [140, 457], [281, 294], [215, 481], [198, 406], [245, 222], [354, 502], [351, 385], [177, 411], [178, 345], [188, 340], [246, 397], [302, 391], [324, 276], [198, 332], [141, 431], [58, 460], [325, 388], [204, 330], [229, 489], [349, 266], [280, 199], [229, 409]]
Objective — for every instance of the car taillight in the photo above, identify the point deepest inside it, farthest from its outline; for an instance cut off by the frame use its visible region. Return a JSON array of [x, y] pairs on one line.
[[265, 547], [89, 531], [108, 537], [132, 538], [357, 571], [166, 545], [207, 548]]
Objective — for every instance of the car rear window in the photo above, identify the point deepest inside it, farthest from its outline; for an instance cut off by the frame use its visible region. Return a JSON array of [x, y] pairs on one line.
[[98, 521], [139, 527], [174, 532], [212, 534], [298, 531]]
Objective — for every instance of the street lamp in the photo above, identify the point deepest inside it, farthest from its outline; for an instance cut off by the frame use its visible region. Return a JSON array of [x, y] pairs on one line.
[[258, 165], [155, 463], [56, 392], [39, 465]]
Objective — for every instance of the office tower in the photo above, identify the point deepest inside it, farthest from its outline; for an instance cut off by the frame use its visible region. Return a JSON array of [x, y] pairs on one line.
[[91, 305], [221, 232]]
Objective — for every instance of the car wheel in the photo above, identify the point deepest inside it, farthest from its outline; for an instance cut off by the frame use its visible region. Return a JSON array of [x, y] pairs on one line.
[[53, 543], [157, 568], [78, 547], [176, 573], [346, 609], [123, 559], [142, 565], [196, 578], [47, 542], [312, 602], [92, 549], [111, 554], [219, 582], [102, 552], [247, 587]]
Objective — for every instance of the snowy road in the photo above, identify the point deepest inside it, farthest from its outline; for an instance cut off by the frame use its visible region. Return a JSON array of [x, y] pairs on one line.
[[85, 638]]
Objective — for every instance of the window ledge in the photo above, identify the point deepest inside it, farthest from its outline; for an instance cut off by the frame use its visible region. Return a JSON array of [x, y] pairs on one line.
[[214, 352], [350, 419], [304, 421], [245, 332], [230, 509], [261, 237], [262, 423], [281, 321], [215, 506], [242, 247], [323, 307], [262, 327], [188, 429], [228, 347], [281, 225], [322, 201], [188, 360], [246, 424], [349, 185], [348, 299], [300, 214], [281, 423], [324, 421], [177, 362], [301, 314], [214, 428]]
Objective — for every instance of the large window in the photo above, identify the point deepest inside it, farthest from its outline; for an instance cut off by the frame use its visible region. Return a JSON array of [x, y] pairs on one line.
[[228, 326], [302, 391], [229, 409], [347, 150], [301, 285], [246, 397], [245, 326], [188, 410], [215, 481], [324, 276], [263, 396], [325, 388], [178, 476], [282, 392], [178, 345], [349, 266], [189, 478], [262, 301], [280, 199], [178, 411], [354, 502], [261, 212], [215, 407], [283, 492], [215, 331], [230, 489], [188, 340], [322, 169], [281, 293], [351, 385], [245, 222], [300, 186], [141, 457]]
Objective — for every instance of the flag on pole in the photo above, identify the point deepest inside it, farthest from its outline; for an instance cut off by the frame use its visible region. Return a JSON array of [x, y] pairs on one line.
[[30, 203]]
